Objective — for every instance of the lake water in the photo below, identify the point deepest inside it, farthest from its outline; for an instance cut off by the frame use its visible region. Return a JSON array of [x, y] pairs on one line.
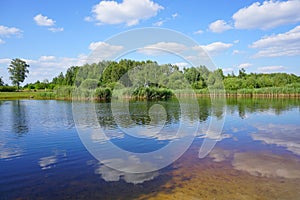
[[256, 156]]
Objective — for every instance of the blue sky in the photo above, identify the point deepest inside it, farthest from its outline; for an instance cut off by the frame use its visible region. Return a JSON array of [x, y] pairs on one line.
[[52, 35]]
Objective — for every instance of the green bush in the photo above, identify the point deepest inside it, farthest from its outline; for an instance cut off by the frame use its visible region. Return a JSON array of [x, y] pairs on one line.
[[152, 93], [8, 88], [103, 93]]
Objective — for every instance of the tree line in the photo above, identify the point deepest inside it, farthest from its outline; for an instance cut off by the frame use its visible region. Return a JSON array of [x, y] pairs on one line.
[[106, 74]]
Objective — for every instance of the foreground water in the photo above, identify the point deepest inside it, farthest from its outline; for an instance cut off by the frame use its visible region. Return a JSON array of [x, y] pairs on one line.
[[257, 156]]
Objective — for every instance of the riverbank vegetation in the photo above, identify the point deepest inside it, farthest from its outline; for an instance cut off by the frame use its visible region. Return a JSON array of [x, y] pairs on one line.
[[149, 80]]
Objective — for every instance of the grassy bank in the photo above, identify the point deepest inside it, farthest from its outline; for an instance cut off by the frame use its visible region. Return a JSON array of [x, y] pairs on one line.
[[272, 92], [27, 95], [67, 92]]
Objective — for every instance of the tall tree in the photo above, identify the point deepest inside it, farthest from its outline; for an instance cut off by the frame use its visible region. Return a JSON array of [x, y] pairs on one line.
[[18, 70], [1, 81]]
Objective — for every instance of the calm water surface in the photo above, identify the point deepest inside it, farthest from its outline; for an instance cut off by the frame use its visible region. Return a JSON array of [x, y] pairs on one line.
[[256, 157]]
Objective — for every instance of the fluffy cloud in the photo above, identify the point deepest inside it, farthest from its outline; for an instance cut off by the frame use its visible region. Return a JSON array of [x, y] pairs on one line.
[[267, 15], [2, 41], [48, 66], [159, 47], [159, 23], [162, 21], [219, 26], [54, 30], [103, 51], [8, 31], [199, 31], [268, 69], [236, 52], [105, 46], [4, 60], [244, 65], [283, 44], [47, 58], [214, 48], [43, 20], [228, 70], [128, 11], [181, 64]]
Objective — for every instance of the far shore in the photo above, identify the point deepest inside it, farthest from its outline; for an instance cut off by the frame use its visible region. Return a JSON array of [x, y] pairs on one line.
[[47, 95]]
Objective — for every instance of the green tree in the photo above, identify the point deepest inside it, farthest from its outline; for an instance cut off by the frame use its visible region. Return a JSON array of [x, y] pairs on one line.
[[1, 81], [18, 70], [242, 73]]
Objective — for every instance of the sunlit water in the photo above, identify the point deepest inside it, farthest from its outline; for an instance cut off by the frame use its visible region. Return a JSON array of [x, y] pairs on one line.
[[256, 157]]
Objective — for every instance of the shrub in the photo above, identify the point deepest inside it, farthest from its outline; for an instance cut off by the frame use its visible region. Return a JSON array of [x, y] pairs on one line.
[[8, 88]]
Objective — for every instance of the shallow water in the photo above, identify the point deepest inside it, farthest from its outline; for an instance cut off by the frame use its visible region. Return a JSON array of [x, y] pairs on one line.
[[257, 156]]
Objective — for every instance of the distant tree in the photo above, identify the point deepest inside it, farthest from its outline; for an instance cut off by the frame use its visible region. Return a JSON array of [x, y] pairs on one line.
[[1, 81], [18, 70], [59, 80], [242, 73], [89, 84]]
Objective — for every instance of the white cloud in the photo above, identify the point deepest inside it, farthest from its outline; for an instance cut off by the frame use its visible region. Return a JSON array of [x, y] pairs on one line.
[[128, 11], [162, 21], [163, 47], [48, 66], [47, 58], [88, 19], [98, 45], [101, 51], [235, 52], [54, 30], [283, 44], [8, 31], [227, 70], [219, 26], [159, 23], [268, 14], [214, 48], [199, 31], [4, 60], [244, 65], [2, 41], [271, 68], [181, 64], [174, 15], [43, 20]]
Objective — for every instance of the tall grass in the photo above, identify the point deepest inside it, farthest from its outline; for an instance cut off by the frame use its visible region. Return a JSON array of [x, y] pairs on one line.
[[152, 93]]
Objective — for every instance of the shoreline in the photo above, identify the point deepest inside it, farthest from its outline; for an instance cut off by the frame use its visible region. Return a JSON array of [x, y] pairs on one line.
[[39, 95]]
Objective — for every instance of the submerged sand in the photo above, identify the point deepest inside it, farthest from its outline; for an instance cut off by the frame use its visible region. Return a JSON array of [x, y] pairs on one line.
[[232, 175]]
